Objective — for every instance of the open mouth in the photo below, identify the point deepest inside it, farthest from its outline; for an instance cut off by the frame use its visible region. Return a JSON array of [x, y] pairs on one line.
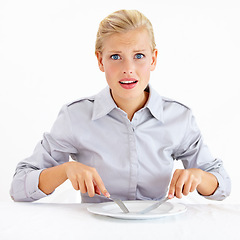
[[128, 83]]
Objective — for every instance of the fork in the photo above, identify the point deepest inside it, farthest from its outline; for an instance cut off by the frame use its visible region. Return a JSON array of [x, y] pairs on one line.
[[154, 206]]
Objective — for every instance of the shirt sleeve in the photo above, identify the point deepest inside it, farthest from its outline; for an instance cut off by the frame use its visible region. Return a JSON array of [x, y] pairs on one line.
[[54, 149], [195, 154]]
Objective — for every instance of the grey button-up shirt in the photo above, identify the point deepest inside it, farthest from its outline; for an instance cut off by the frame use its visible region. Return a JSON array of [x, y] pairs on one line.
[[134, 158]]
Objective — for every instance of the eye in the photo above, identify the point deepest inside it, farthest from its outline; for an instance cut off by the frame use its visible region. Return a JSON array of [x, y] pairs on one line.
[[139, 56], [115, 57]]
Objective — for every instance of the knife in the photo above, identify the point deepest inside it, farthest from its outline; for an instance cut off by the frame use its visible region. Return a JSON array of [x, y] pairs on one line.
[[154, 206], [120, 204]]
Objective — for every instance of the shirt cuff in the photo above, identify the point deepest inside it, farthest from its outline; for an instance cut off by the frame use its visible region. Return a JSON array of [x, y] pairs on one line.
[[220, 192], [31, 185]]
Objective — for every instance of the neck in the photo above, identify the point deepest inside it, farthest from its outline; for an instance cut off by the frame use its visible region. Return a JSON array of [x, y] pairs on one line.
[[130, 106]]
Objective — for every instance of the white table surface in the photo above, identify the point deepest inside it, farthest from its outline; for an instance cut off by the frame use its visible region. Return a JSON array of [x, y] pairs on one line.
[[73, 221]]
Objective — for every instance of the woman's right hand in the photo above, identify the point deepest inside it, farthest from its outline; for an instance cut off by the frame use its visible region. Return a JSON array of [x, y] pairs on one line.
[[85, 179]]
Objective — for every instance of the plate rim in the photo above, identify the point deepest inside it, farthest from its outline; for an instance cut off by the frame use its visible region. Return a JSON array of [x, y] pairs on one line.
[[96, 207]]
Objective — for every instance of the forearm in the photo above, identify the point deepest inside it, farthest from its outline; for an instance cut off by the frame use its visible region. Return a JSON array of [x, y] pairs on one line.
[[82, 177], [208, 183], [51, 178]]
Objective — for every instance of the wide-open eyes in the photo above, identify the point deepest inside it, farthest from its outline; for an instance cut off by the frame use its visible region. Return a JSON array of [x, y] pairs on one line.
[[115, 57], [139, 55], [136, 56]]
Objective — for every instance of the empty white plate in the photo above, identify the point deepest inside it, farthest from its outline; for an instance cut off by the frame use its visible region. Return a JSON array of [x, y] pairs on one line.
[[111, 209]]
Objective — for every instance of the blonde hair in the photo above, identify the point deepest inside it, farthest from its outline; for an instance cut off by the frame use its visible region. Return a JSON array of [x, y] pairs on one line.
[[122, 21]]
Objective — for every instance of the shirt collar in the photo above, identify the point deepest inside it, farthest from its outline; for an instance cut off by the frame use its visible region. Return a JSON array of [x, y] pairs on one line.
[[155, 104], [104, 104]]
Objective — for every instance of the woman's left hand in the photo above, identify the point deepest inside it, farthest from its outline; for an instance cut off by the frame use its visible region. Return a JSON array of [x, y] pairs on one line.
[[184, 181]]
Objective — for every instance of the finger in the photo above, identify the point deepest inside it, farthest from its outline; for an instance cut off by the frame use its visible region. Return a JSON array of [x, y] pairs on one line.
[[175, 177], [90, 187], [194, 186], [187, 186], [180, 183], [100, 185], [82, 186], [74, 184], [96, 188]]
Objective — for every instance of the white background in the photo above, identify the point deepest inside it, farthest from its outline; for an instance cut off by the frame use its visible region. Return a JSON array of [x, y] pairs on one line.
[[47, 59]]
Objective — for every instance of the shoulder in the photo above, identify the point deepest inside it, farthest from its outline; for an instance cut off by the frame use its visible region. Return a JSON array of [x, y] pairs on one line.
[[79, 107], [81, 101], [165, 101], [174, 103], [176, 111]]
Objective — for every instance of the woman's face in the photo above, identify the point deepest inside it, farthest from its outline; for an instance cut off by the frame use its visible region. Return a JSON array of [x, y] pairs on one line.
[[127, 59]]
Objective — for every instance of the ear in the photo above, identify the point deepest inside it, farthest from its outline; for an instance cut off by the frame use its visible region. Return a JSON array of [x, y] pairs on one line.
[[154, 59], [99, 58]]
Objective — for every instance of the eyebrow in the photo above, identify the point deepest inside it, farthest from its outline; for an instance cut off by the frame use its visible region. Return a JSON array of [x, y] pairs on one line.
[[112, 51], [142, 50]]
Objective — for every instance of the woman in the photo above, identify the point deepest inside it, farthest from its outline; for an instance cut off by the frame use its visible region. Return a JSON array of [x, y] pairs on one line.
[[125, 139]]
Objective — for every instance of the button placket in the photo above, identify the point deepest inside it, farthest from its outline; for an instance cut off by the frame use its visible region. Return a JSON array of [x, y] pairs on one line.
[[133, 161]]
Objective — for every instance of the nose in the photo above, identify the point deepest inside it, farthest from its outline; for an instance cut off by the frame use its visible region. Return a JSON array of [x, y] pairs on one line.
[[128, 67]]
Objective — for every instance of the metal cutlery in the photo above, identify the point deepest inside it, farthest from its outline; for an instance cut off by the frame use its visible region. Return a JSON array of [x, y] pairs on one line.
[[154, 206], [123, 207], [119, 202]]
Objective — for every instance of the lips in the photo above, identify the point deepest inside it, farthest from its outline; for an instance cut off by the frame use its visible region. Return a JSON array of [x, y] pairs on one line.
[[128, 83]]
